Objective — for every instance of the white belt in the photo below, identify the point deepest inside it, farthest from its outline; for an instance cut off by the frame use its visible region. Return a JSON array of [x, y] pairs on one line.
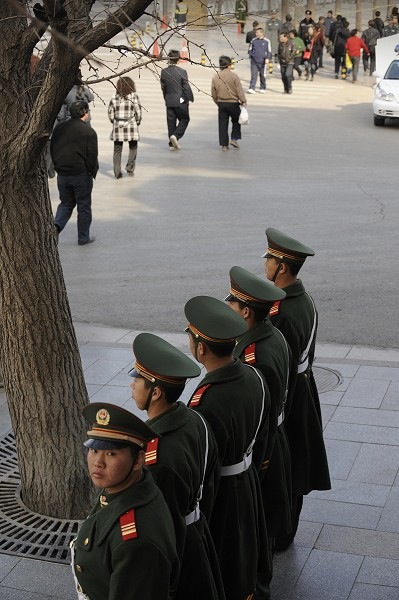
[[303, 366], [238, 467], [280, 419], [193, 516]]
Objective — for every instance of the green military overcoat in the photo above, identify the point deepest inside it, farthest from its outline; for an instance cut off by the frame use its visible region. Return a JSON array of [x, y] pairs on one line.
[[231, 399], [177, 461], [296, 318], [264, 347], [126, 547]]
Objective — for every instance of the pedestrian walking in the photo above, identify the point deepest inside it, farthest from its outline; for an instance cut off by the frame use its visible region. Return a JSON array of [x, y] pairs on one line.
[[228, 95], [252, 32], [183, 461], [74, 152], [286, 53], [354, 46], [370, 37], [124, 112], [177, 94], [259, 54], [306, 22], [129, 527], [299, 48], [78, 92]]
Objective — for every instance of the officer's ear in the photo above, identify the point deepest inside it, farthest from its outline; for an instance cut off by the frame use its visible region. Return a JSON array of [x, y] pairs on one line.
[[282, 268], [139, 461]]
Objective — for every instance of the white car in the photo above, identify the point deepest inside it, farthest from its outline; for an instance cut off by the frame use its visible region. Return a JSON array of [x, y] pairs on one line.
[[386, 95]]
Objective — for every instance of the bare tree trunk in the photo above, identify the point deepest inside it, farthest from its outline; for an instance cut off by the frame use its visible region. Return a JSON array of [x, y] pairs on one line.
[[338, 7], [40, 357]]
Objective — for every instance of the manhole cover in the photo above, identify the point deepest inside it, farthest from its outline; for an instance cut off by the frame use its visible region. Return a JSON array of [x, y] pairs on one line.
[[23, 532], [326, 379]]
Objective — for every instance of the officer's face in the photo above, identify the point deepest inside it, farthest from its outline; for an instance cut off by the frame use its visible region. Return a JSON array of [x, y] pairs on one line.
[[109, 468], [235, 306], [270, 267], [139, 392]]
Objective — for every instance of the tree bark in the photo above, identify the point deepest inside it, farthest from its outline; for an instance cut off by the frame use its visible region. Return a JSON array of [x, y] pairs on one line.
[[41, 363]]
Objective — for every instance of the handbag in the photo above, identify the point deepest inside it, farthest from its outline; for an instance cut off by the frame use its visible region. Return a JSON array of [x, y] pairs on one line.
[[243, 119]]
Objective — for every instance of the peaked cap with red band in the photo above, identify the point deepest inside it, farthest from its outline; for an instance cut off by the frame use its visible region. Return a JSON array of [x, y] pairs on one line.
[[286, 248], [210, 320], [252, 290], [114, 427], [160, 362]]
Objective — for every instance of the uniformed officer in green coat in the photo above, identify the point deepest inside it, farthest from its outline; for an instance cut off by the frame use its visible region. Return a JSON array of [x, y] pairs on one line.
[[296, 317], [235, 401], [183, 460], [264, 347], [126, 547]]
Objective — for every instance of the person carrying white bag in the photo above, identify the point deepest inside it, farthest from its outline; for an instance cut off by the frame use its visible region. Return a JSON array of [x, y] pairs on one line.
[[228, 94]]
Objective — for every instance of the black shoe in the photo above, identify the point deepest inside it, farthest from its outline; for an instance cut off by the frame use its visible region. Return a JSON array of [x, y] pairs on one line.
[[89, 241], [119, 176]]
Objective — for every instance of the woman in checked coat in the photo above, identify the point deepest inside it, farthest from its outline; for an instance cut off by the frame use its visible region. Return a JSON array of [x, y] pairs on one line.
[[124, 112]]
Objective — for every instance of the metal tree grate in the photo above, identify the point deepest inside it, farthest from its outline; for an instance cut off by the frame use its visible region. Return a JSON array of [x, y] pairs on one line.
[[23, 532], [326, 379]]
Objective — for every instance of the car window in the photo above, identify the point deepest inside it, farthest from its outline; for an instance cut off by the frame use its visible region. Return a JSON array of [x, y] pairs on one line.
[[393, 71]]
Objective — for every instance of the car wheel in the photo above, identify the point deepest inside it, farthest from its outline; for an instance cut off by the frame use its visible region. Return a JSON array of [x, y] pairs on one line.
[[378, 121]]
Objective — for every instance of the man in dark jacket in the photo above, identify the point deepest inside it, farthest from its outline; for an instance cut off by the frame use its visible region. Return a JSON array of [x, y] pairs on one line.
[[74, 152], [177, 94], [370, 37], [286, 53], [183, 461], [259, 52], [304, 24], [296, 318]]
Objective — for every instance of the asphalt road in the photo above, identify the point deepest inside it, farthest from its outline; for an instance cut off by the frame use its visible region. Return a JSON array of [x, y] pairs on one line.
[[312, 164]]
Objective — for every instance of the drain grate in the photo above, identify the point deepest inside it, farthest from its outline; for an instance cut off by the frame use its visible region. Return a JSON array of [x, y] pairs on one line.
[[23, 532], [326, 379]]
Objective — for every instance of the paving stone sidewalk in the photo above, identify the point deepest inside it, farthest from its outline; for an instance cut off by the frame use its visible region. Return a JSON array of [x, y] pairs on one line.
[[347, 547]]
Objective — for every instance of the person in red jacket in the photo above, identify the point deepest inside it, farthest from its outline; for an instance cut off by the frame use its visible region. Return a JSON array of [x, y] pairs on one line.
[[353, 46]]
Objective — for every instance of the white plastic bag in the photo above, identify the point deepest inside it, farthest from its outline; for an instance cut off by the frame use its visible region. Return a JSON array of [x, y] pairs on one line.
[[243, 119]]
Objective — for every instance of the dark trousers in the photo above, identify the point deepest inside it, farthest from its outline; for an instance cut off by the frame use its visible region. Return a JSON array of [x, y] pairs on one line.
[[339, 61], [227, 111], [131, 159], [355, 66], [178, 118], [257, 69], [75, 190], [286, 76], [297, 63], [372, 60]]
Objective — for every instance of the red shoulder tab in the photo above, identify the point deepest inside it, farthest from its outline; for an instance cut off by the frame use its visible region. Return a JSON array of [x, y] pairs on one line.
[[196, 398], [127, 522], [275, 309], [151, 455], [250, 354]]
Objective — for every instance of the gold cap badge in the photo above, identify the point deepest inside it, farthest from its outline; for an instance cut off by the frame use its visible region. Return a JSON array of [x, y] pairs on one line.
[[103, 417]]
